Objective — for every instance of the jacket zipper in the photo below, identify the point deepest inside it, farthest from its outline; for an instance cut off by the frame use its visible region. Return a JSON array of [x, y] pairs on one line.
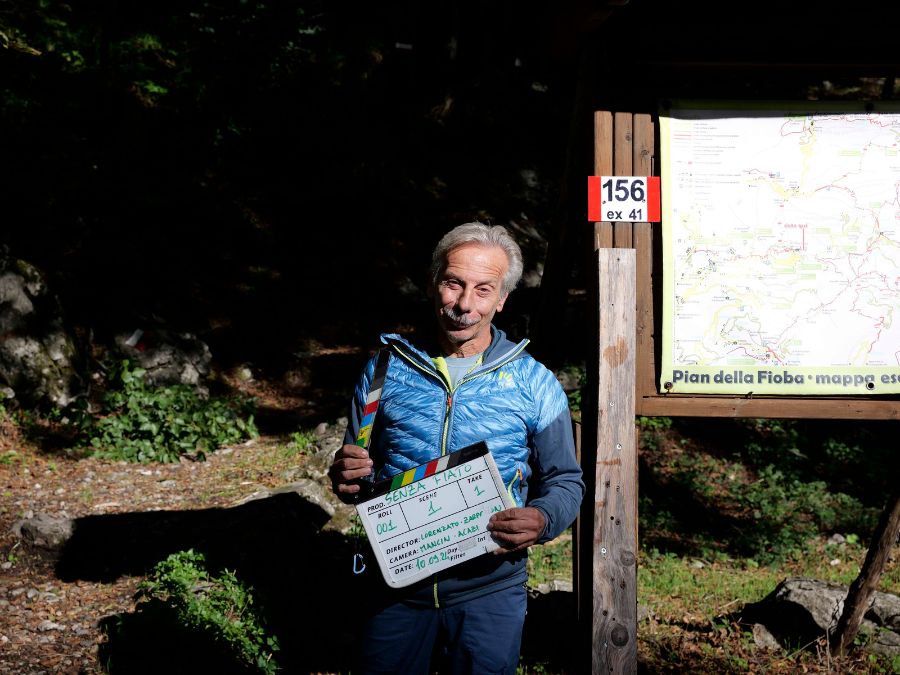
[[445, 432], [437, 376]]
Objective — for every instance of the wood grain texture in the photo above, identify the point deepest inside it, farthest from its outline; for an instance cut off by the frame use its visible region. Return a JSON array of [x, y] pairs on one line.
[[644, 154], [614, 625], [603, 166], [741, 406], [623, 138]]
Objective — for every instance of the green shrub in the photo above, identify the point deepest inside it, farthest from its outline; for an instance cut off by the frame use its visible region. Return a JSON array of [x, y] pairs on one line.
[[770, 513], [217, 609], [303, 442], [652, 431], [790, 512], [654, 423], [575, 404], [776, 441], [141, 423]]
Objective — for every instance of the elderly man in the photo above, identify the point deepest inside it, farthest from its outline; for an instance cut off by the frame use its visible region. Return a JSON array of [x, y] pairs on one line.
[[470, 385]]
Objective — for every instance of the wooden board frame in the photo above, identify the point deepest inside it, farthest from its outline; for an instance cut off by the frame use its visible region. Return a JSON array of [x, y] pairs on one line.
[[625, 144]]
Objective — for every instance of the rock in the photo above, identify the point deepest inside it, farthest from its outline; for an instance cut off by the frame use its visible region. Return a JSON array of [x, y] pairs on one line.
[[552, 586], [801, 610], [312, 491], [168, 357], [37, 355], [763, 639], [44, 531], [823, 601], [886, 643], [885, 610]]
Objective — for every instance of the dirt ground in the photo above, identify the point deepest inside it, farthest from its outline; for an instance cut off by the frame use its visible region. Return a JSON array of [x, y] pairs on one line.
[[50, 609], [51, 626]]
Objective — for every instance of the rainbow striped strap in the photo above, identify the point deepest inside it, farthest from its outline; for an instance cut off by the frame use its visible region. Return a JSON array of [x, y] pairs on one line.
[[368, 419]]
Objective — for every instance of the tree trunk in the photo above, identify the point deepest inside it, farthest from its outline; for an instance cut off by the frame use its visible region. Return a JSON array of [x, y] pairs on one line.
[[860, 595]]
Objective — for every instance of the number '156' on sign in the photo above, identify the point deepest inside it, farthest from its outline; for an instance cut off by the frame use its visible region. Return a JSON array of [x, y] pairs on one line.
[[628, 198]]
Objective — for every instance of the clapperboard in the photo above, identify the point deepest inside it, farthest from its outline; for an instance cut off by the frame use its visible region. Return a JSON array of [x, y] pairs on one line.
[[435, 515]]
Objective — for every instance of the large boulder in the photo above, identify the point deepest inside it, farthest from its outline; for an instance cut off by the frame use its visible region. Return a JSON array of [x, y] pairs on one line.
[[801, 610], [37, 354]]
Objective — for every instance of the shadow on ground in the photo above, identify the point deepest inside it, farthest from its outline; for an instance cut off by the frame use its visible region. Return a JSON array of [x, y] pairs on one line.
[[301, 576], [275, 545], [550, 640]]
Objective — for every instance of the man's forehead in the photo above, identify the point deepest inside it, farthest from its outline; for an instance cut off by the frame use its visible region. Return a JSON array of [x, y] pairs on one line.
[[477, 257]]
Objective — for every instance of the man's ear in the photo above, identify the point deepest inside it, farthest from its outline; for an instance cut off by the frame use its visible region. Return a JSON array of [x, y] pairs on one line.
[[502, 300]]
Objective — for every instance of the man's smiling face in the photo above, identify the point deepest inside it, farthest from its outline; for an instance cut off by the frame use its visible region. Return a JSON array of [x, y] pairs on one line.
[[469, 291]]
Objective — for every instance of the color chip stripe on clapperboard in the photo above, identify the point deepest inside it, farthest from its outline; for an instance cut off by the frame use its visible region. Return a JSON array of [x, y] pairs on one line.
[[450, 461]]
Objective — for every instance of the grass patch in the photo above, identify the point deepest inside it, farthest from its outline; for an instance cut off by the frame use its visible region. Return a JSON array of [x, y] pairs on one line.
[[727, 512], [551, 561], [9, 457], [280, 459], [303, 442], [671, 587]]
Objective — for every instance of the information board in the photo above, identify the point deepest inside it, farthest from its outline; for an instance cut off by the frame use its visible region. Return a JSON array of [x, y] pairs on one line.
[[434, 516], [781, 241]]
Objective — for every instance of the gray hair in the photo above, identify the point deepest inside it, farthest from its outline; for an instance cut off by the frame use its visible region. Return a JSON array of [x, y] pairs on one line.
[[484, 235]]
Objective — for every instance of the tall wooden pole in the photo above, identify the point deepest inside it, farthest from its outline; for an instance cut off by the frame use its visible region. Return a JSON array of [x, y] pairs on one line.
[[614, 620]]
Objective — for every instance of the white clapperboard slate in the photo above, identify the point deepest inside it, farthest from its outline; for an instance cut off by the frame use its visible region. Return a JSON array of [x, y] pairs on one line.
[[434, 516]]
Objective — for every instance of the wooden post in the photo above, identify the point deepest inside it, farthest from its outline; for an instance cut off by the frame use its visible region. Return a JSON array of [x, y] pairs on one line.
[[601, 236], [644, 150], [614, 625], [603, 166], [623, 136]]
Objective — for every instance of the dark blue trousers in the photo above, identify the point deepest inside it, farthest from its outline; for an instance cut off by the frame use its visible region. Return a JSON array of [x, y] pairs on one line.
[[481, 636]]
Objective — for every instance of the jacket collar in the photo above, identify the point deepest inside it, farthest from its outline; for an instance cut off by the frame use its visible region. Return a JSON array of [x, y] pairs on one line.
[[498, 349]]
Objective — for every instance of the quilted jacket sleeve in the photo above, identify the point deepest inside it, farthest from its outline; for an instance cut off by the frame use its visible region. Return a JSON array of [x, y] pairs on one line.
[[556, 486]]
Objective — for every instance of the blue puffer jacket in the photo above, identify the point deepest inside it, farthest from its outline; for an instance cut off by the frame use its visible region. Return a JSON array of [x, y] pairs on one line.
[[511, 402]]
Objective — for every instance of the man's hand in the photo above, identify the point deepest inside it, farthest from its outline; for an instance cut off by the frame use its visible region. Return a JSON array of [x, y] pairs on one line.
[[515, 529], [350, 462]]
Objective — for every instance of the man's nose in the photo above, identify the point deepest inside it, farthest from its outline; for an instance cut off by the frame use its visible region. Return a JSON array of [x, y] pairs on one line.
[[464, 301]]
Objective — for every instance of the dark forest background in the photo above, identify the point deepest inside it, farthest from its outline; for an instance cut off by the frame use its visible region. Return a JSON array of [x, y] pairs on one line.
[[271, 176]]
